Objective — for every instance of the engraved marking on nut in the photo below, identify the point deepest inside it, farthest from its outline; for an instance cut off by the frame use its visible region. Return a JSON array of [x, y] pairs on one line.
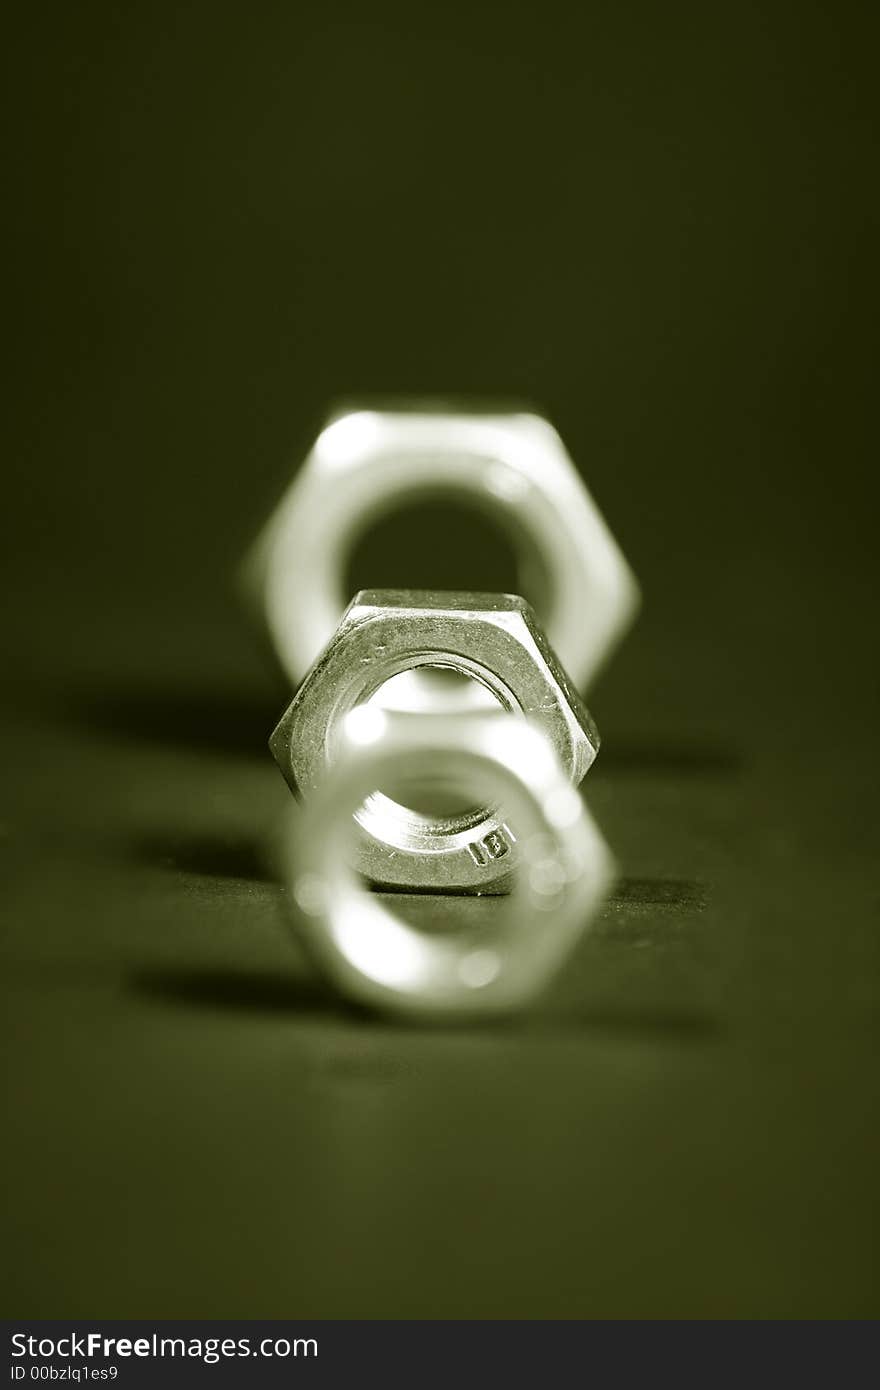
[[515, 465], [505, 950], [491, 637]]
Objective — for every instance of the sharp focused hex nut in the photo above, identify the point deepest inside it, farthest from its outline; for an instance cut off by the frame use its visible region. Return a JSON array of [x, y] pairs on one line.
[[513, 464], [492, 638], [501, 952]]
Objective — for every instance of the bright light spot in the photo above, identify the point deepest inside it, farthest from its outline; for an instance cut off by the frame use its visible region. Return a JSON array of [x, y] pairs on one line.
[[547, 878], [563, 807], [382, 949], [348, 438], [365, 725], [503, 482], [310, 892], [479, 969]]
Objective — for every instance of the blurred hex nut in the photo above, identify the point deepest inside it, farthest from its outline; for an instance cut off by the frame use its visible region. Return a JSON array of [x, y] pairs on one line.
[[365, 462], [471, 957], [492, 638]]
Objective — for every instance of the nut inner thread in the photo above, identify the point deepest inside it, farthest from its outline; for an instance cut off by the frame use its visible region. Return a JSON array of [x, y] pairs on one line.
[[429, 803]]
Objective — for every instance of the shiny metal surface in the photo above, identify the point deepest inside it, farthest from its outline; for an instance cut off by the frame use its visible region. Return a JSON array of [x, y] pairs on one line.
[[366, 461], [491, 638], [491, 964]]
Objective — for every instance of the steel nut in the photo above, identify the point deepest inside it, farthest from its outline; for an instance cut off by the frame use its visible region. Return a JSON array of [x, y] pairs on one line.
[[511, 464], [461, 957], [492, 638]]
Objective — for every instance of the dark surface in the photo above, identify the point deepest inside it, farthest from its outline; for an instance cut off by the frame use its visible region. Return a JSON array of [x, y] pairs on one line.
[[656, 224]]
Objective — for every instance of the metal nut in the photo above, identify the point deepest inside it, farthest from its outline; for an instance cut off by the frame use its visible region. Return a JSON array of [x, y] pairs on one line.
[[492, 638], [504, 950], [513, 464]]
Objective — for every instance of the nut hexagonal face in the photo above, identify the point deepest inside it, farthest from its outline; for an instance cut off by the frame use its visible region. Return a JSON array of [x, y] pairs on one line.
[[492, 638], [513, 464]]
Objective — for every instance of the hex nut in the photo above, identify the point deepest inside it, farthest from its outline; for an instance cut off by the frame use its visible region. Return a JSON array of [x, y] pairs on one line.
[[455, 957], [493, 638], [512, 464]]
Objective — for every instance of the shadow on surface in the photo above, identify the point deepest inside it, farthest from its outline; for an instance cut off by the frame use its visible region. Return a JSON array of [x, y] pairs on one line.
[[247, 860], [205, 855], [236, 991], [240, 724], [240, 992], [210, 722]]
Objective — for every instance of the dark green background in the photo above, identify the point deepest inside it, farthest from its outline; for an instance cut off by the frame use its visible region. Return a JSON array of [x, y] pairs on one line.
[[657, 222]]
